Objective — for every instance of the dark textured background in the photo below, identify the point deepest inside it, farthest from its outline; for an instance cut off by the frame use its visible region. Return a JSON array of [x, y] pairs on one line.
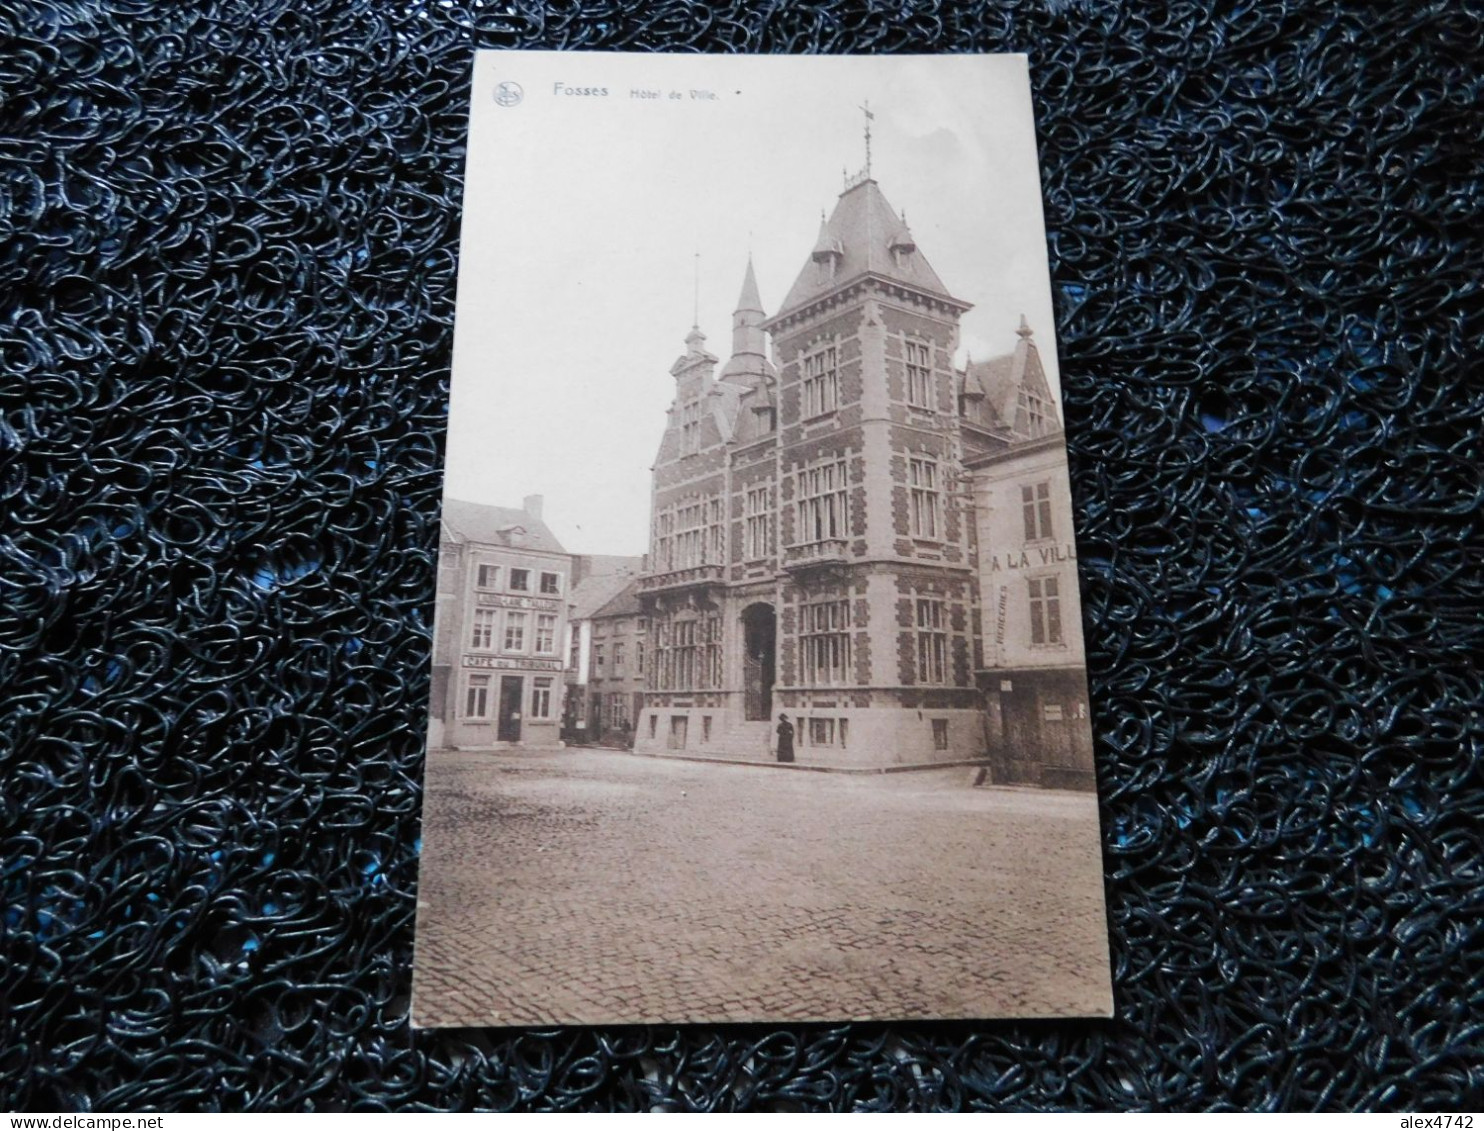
[[229, 241]]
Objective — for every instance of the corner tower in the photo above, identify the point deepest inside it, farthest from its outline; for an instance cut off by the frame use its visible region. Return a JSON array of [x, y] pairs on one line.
[[878, 623]]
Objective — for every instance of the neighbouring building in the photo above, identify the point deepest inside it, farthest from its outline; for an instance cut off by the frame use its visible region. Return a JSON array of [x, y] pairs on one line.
[[814, 545], [1034, 675], [617, 657], [499, 627], [597, 579]]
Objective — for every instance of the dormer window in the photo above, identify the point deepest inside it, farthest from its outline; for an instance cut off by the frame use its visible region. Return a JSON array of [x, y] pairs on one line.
[[902, 246], [827, 254]]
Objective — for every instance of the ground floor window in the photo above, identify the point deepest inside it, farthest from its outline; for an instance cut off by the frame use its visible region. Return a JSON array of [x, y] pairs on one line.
[[687, 654], [679, 724], [825, 642], [940, 734], [932, 642], [618, 710], [541, 698], [654, 721], [477, 697], [821, 732]]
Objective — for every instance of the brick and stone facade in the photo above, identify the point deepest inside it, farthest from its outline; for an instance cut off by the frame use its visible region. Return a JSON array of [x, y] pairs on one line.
[[810, 549]]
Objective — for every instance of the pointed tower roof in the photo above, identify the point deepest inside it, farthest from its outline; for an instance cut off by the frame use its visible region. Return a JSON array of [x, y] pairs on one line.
[[864, 236], [749, 299], [749, 364]]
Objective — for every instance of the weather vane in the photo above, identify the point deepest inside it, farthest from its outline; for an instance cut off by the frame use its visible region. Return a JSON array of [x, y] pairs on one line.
[[870, 117]]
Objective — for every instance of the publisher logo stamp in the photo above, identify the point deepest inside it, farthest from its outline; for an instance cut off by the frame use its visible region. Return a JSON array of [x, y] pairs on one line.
[[509, 94]]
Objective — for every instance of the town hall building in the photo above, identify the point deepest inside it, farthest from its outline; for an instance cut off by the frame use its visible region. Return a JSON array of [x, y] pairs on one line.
[[814, 544]]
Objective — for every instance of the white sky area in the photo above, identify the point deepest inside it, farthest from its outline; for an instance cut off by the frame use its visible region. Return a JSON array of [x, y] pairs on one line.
[[583, 216]]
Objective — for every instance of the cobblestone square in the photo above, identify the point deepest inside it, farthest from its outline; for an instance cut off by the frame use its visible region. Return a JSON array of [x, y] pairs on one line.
[[600, 887]]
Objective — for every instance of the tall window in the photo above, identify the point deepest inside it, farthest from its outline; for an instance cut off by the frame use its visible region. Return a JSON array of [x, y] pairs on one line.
[[1035, 505], [716, 553], [686, 654], [574, 657], [711, 658], [515, 632], [489, 577], [821, 387], [483, 635], [546, 633], [477, 697], [689, 545], [825, 641], [541, 698], [520, 580], [758, 528], [1037, 414], [932, 642], [1045, 611], [639, 657], [690, 428], [923, 498], [822, 502], [919, 374], [551, 584], [661, 670], [664, 543], [618, 658], [597, 659]]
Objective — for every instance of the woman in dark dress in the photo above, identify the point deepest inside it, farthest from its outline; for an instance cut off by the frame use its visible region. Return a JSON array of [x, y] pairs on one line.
[[785, 739]]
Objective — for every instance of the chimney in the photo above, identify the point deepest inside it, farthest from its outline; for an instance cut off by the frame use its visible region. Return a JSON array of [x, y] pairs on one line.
[[531, 504]]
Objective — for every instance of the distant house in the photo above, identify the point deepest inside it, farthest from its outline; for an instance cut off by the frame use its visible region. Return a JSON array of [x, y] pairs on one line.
[[598, 578], [499, 626], [620, 651]]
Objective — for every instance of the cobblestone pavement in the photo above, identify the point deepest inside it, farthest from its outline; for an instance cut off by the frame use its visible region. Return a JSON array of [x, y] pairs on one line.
[[590, 886]]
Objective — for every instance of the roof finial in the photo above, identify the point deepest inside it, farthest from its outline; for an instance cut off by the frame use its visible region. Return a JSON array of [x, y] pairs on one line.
[[696, 320], [1024, 330], [870, 117]]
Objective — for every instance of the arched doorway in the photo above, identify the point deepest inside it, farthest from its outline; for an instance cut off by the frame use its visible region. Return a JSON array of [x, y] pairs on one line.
[[759, 650]]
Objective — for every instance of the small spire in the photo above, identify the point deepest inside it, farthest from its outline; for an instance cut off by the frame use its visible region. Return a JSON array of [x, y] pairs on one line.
[[750, 300], [696, 316], [1024, 330], [870, 117]]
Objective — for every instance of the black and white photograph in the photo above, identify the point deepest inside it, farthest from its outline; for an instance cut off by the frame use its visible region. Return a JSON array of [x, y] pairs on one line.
[[758, 685]]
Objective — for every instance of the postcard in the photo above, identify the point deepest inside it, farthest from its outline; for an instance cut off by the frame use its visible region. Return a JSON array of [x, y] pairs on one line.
[[758, 685]]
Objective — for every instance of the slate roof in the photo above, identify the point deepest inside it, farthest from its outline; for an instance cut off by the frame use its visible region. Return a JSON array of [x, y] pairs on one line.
[[464, 521], [999, 379], [623, 604], [593, 592], [861, 231]]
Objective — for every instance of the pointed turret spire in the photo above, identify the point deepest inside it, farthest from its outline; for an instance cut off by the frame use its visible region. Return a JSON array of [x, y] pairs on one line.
[[749, 299], [1024, 330], [749, 341]]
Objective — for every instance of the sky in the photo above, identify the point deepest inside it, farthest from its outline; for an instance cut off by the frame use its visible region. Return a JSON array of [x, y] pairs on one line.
[[584, 215]]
